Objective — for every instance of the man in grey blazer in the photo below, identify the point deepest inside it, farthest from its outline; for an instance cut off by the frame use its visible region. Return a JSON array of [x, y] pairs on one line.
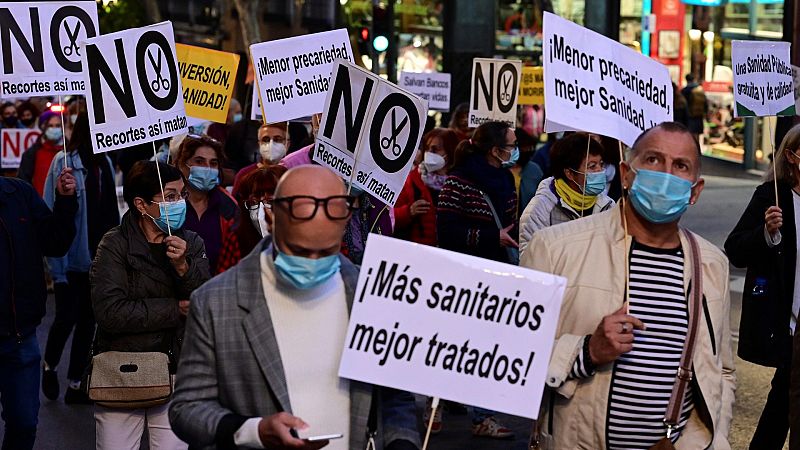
[[263, 340]]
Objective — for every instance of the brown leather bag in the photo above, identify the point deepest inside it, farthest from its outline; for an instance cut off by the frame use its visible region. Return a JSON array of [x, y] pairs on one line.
[[684, 376]]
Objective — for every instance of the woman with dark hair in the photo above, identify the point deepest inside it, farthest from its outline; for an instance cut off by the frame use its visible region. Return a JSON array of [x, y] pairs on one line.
[[477, 214], [97, 213], [142, 277], [459, 121], [415, 210], [28, 113], [255, 215], [765, 241], [210, 210], [575, 190]]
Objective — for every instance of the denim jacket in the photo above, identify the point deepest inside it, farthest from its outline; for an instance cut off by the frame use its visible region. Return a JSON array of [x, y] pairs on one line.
[[79, 257]]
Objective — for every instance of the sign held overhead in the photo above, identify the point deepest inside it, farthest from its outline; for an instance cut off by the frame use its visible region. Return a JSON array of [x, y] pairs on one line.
[[293, 74], [13, 143], [531, 89], [39, 44], [208, 77], [762, 79], [595, 84], [134, 87], [432, 87], [370, 131], [480, 334], [495, 85]]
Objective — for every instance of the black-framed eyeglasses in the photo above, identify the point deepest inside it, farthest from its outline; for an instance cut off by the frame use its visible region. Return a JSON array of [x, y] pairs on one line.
[[304, 207], [509, 146]]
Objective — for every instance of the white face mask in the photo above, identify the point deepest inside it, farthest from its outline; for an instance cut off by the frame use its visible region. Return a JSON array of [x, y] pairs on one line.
[[258, 217], [433, 161], [272, 151]]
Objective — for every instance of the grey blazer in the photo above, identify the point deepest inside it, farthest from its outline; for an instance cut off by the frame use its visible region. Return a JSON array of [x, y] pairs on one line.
[[230, 367]]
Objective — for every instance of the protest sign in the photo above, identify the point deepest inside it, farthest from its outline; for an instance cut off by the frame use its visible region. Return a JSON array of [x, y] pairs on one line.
[[13, 143], [255, 107], [431, 87], [134, 87], [480, 333], [39, 47], [531, 88], [762, 79], [370, 131], [208, 77], [595, 84], [293, 74], [495, 86]]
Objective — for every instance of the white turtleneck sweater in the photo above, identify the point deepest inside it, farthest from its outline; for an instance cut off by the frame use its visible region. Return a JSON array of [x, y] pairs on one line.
[[310, 327]]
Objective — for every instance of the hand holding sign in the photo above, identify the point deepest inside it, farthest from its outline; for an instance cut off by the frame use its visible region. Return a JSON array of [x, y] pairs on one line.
[[773, 219], [176, 252], [66, 182], [613, 337]]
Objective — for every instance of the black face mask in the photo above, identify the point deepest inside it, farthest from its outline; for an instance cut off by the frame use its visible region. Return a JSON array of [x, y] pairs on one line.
[[10, 120], [28, 122]]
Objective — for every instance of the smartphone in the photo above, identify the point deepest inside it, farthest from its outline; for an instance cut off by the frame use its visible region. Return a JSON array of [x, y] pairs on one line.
[[324, 437]]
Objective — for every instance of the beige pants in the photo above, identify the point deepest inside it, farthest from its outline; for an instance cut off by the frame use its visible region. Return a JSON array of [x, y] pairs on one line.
[[122, 429]]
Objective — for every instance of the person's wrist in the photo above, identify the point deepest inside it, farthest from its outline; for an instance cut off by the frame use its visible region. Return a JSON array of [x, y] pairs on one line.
[[589, 361]]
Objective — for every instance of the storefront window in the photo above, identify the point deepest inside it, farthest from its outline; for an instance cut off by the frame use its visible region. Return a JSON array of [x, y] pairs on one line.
[[519, 31]]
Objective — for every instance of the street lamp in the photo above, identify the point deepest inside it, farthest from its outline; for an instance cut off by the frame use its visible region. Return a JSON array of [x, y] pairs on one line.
[[694, 37], [708, 38]]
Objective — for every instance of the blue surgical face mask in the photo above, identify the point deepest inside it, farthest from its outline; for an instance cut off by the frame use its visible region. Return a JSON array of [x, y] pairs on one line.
[[595, 183], [173, 213], [306, 273], [203, 178], [512, 160], [237, 117], [54, 134], [659, 197]]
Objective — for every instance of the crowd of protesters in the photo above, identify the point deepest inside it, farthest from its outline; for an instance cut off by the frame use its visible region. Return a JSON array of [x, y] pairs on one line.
[[236, 255]]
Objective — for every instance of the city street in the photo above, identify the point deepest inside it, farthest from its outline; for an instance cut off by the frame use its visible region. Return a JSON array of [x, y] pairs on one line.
[[724, 198]]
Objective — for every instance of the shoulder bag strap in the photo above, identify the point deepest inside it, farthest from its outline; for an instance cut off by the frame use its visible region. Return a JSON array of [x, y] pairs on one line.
[[684, 375], [494, 212]]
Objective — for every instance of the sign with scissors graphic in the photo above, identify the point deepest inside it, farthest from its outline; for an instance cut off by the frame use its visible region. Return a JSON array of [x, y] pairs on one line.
[[39, 49], [134, 88], [495, 85], [370, 131]]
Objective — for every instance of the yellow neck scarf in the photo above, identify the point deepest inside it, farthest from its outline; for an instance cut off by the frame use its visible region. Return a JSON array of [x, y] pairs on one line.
[[573, 198]]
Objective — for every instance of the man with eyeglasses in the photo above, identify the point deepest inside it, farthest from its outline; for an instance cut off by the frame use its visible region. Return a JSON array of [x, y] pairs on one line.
[[273, 140], [260, 360]]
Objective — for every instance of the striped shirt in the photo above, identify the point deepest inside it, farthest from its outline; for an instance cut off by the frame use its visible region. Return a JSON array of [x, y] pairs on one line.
[[642, 380]]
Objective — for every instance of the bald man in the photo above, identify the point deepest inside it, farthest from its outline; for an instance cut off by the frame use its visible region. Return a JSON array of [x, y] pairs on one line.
[[263, 340]]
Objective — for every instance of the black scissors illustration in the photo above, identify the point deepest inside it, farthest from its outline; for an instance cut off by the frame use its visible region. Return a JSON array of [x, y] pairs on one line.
[[506, 84], [160, 81], [73, 38], [391, 142]]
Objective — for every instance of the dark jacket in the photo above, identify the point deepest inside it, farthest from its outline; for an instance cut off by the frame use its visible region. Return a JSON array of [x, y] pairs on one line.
[[27, 162], [465, 222], [764, 336], [135, 295], [28, 231]]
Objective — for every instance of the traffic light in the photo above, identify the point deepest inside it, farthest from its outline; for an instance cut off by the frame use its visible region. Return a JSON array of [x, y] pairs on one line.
[[364, 41], [381, 27]]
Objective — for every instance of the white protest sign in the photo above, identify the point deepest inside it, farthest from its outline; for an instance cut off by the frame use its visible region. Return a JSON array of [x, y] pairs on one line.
[[433, 87], [495, 86], [762, 79], [479, 333], [255, 106], [372, 127], [135, 92], [796, 81], [39, 47], [13, 143], [293, 74], [595, 84]]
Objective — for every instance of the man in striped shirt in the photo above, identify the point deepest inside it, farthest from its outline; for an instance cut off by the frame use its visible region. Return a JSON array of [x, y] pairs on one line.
[[625, 314]]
